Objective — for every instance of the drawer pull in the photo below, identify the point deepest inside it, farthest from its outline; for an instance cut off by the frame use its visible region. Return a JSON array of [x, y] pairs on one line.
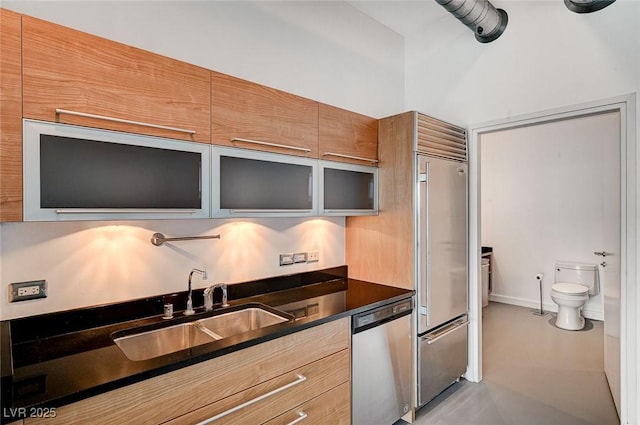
[[300, 379], [120, 120], [358, 158], [433, 337], [275, 145], [301, 417]]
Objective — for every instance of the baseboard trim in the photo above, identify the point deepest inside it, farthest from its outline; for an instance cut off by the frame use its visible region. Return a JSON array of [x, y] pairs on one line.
[[553, 307]]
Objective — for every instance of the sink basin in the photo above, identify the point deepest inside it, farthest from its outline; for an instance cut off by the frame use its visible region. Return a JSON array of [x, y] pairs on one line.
[[240, 321], [158, 342]]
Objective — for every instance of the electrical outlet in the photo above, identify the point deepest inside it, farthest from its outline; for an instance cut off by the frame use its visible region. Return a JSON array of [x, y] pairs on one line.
[[22, 291], [300, 257], [286, 259], [313, 309], [313, 256]]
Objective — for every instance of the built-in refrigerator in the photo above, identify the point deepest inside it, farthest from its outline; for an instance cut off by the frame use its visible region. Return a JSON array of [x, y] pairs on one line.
[[442, 262], [419, 240]]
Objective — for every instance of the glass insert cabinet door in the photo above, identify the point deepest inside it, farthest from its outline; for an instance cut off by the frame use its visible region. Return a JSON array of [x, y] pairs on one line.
[[347, 189], [259, 184], [80, 173]]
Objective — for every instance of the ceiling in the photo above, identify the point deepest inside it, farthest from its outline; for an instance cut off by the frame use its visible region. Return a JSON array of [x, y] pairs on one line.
[[405, 17]]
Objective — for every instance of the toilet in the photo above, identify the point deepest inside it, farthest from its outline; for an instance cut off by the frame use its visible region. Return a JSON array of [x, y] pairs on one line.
[[574, 283]]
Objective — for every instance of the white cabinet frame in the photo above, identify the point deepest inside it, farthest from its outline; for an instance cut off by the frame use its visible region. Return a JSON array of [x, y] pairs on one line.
[[322, 165], [218, 211]]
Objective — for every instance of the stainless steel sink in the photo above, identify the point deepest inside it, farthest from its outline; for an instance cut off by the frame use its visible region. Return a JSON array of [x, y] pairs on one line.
[[158, 342], [240, 321]]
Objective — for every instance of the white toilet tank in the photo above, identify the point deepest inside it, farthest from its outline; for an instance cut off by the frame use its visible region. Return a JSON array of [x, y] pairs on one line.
[[584, 274]]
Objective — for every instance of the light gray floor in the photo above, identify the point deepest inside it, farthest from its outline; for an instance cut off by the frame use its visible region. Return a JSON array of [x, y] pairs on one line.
[[534, 374]]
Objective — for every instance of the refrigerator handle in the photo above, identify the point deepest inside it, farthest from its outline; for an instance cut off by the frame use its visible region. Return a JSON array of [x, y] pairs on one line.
[[444, 331], [424, 281]]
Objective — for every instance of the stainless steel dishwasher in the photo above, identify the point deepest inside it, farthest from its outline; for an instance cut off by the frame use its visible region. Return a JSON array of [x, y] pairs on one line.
[[381, 364]]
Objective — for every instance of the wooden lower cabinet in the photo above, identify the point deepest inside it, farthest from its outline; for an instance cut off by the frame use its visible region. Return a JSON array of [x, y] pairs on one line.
[[186, 396], [274, 397], [332, 407]]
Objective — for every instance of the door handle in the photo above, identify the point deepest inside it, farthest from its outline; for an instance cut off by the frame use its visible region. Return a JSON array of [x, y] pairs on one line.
[[603, 253]]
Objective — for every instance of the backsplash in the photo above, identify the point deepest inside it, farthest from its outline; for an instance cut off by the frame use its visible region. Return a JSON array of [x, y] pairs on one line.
[[92, 263]]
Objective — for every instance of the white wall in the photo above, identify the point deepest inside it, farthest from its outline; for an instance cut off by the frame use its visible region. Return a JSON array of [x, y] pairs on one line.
[[549, 192], [326, 51], [91, 263], [548, 57]]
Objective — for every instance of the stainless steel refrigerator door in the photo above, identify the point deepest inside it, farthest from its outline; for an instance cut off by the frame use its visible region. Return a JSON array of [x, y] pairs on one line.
[[382, 373], [442, 359], [442, 243]]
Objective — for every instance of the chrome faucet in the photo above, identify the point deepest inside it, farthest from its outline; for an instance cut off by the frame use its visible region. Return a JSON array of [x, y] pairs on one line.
[[208, 296], [189, 311]]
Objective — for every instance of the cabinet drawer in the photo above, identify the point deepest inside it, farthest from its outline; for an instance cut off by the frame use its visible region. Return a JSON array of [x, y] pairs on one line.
[[332, 407], [71, 70], [276, 396], [173, 394]]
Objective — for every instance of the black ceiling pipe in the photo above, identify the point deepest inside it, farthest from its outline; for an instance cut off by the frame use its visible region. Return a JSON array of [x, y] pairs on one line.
[[480, 16], [587, 6]]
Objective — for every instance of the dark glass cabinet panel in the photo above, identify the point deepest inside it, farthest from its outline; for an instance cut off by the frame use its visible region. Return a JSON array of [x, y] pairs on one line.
[[78, 173], [256, 184], [348, 190]]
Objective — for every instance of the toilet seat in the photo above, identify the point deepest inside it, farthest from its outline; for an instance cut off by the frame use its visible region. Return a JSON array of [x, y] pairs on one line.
[[567, 288]]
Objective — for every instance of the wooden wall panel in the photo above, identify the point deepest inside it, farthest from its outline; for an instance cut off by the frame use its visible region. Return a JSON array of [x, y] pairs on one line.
[[10, 117], [381, 248]]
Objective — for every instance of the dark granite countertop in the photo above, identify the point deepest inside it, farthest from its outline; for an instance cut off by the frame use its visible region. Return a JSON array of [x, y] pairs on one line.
[[64, 357]]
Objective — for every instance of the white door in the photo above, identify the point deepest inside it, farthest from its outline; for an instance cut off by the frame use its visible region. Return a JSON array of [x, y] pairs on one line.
[[610, 264]]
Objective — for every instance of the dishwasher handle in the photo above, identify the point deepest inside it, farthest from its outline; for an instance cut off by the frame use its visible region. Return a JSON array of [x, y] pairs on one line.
[[432, 337]]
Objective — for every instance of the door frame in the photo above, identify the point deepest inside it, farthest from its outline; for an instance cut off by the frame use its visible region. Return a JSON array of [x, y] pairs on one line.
[[629, 238]]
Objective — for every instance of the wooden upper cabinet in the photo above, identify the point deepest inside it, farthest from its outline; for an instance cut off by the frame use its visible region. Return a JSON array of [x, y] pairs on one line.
[[10, 117], [243, 112], [346, 136], [70, 70]]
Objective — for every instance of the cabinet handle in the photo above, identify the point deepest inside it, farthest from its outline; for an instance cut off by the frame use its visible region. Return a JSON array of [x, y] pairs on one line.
[[301, 417], [275, 145], [359, 158], [120, 211], [120, 120], [300, 379], [245, 211]]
